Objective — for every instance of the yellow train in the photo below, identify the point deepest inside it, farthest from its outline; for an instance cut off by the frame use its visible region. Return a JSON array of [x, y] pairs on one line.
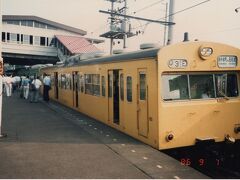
[[167, 97]]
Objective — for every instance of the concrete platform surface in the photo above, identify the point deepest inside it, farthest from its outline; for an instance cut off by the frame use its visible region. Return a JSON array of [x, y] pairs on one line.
[[53, 141]]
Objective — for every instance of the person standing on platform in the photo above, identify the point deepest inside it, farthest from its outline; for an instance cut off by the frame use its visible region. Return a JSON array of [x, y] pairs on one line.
[[8, 85], [36, 83], [46, 87], [25, 85]]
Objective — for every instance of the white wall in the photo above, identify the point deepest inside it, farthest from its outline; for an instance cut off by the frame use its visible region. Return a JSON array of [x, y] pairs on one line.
[[34, 31]]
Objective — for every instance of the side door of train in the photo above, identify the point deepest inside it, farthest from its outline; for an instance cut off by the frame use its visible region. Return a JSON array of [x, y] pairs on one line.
[[142, 103], [115, 96]]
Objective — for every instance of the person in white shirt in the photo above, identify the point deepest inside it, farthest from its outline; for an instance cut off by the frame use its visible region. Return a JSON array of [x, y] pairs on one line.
[[8, 85], [46, 87], [35, 88]]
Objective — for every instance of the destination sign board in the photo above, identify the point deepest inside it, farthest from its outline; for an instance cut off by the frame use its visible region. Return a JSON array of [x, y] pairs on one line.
[[227, 61]]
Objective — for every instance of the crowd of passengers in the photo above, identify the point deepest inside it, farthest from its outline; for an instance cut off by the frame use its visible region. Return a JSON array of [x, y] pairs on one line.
[[27, 86]]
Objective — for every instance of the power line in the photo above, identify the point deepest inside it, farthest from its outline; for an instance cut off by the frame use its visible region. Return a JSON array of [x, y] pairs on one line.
[[176, 13], [187, 8], [146, 7]]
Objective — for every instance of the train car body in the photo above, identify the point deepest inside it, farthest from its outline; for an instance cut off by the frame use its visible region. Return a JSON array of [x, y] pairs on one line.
[[167, 97]]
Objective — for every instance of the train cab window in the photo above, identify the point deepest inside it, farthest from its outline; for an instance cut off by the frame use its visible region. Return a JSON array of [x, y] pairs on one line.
[[226, 85], [103, 86], [122, 87], [142, 86], [129, 89], [201, 86], [175, 87]]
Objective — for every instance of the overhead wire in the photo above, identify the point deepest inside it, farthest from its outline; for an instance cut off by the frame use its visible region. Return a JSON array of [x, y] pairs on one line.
[[146, 7], [176, 12]]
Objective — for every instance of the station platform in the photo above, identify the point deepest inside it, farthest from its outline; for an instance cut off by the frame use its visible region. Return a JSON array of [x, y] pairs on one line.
[[49, 140]]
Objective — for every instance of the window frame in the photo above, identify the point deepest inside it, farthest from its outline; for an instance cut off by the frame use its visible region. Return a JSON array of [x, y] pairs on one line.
[[92, 82], [121, 78], [103, 86], [127, 92]]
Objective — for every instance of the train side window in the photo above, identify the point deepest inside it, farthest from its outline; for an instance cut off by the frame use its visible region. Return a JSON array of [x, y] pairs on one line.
[[81, 83], [96, 84], [59, 80], [110, 81], [142, 86], [129, 89], [68, 81], [88, 84], [63, 81], [121, 87], [103, 86], [175, 87]]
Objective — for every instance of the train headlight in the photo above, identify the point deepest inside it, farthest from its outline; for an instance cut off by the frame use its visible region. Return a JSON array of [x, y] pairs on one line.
[[169, 137], [205, 52]]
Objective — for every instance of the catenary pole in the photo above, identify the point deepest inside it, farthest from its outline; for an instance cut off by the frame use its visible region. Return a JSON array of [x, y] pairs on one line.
[[1, 70], [170, 19], [111, 25], [125, 26], [165, 27]]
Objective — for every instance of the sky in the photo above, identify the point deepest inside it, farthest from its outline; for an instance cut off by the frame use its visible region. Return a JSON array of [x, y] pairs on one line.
[[213, 20]]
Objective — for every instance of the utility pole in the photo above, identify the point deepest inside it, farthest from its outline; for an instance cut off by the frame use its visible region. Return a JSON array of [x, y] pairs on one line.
[[165, 27], [125, 26], [111, 26], [118, 26], [119, 16], [1, 71], [170, 19]]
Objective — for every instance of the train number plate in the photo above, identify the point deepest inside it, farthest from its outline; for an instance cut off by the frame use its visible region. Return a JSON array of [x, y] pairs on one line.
[[177, 63]]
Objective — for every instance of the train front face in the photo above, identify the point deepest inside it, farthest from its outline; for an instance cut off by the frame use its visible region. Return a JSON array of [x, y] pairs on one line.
[[198, 93]]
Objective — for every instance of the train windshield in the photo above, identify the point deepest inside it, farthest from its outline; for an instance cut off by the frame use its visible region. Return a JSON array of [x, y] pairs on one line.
[[199, 86]]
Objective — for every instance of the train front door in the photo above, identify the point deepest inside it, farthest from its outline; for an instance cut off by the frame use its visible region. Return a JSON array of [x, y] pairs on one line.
[[75, 88], [113, 96], [56, 85], [142, 106]]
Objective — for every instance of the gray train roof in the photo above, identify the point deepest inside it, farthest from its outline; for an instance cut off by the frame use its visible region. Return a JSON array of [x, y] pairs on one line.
[[149, 53]]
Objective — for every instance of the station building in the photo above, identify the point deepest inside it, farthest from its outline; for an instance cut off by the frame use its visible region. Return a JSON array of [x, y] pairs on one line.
[[29, 40]]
